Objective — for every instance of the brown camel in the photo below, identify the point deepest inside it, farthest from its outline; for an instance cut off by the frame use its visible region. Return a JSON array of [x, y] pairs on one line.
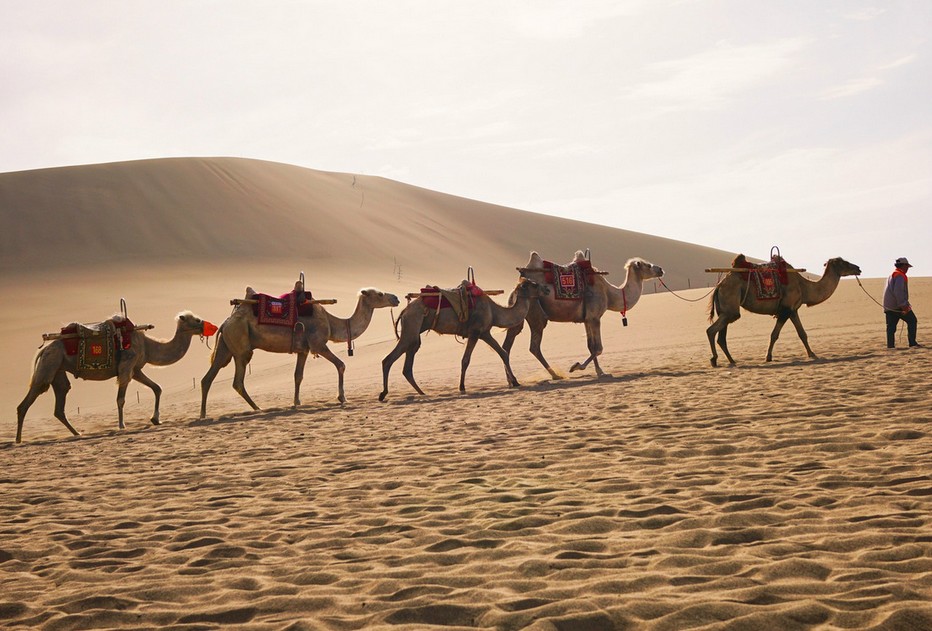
[[241, 334], [600, 297], [52, 363], [417, 318], [734, 292]]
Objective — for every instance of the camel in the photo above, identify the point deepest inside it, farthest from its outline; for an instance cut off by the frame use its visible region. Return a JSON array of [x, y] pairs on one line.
[[241, 334], [734, 292], [417, 318], [52, 363], [600, 297]]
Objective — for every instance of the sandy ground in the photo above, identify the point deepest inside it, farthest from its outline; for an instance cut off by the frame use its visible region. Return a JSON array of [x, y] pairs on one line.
[[669, 495]]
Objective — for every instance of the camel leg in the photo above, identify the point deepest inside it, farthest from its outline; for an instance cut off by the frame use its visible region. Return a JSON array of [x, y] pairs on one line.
[[509, 375], [61, 386], [156, 390], [781, 320], [35, 389], [720, 328], [299, 377], [537, 336], [327, 354], [239, 378], [802, 333], [594, 342], [467, 354], [387, 363], [510, 336], [220, 358], [408, 368]]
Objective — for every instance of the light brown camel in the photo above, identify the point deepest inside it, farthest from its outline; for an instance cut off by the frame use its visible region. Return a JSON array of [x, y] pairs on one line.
[[52, 363], [241, 334], [734, 292], [417, 318], [598, 298]]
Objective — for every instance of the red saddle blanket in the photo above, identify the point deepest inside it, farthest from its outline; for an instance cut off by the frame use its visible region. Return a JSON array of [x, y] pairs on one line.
[[569, 281], [472, 292], [769, 278], [96, 345], [282, 310]]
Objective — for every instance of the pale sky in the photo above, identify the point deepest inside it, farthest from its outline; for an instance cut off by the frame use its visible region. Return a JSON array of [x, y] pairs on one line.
[[736, 124]]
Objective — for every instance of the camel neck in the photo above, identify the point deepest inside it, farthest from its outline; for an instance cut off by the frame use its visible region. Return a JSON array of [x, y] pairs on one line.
[[163, 353], [354, 326], [822, 289], [623, 298]]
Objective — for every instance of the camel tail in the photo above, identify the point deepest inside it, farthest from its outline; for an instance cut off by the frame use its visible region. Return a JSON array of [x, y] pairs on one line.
[[713, 304]]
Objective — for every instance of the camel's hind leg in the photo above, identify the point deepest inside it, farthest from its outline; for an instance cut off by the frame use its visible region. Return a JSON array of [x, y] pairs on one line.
[[156, 390], [61, 386], [220, 358], [467, 355], [387, 363], [299, 377], [594, 342], [720, 328], [240, 362], [510, 336], [408, 368], [537, 336]]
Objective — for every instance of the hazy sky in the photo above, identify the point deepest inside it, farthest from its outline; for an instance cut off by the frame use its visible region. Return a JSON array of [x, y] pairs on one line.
[[737, 124]]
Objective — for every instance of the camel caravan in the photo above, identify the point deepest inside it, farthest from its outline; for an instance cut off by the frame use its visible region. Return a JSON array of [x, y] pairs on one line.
[[297, 323]]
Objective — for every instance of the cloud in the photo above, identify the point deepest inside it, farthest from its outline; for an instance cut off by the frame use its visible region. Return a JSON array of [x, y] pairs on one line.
[[710, 79]]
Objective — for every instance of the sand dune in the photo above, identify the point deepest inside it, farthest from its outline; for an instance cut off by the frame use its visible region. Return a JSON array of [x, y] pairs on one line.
[[668, 495]]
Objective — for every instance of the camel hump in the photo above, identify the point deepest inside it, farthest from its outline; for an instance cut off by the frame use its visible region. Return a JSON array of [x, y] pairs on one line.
[[740, 261], [579, 256], [535, 261], [250, 291]]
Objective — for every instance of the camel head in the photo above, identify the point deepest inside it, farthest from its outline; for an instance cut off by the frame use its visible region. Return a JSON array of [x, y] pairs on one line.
[[190, 323], [843, 267], [643, 269], [377, 299], [529, 289]]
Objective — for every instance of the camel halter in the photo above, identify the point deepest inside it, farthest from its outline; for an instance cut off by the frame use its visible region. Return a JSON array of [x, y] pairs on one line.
[[624, 310]]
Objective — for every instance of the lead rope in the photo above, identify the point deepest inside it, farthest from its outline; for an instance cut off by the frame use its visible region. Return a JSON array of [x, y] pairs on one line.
[[349, 339], [688, 299], [858, 278]]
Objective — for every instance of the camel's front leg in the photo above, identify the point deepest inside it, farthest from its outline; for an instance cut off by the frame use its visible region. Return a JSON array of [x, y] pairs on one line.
[[221, 357], [327, 354], [156, 390], [299, 377], [510, 336], [509, 375], [802, 333], [467, 354], [775, 334]]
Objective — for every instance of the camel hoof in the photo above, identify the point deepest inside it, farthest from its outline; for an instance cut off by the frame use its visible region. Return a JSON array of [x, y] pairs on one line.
[[382, 395], [714, 362], [575, 367], [155, 421]]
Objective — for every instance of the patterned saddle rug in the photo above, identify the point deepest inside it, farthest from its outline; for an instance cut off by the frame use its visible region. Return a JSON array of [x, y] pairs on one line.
[[569, 281], [97, 345], [461, 299], [769, 278], [282, 310]]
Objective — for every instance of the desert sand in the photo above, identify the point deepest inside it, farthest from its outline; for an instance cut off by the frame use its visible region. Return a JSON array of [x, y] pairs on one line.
[[667, 495]]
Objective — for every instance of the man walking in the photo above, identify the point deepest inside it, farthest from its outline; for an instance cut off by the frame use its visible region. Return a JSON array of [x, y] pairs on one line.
[[896, 305]]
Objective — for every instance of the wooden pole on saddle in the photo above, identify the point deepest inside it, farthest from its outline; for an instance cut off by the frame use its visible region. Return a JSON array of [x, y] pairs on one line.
[[313, 301], [723, 270], [47, 337]]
